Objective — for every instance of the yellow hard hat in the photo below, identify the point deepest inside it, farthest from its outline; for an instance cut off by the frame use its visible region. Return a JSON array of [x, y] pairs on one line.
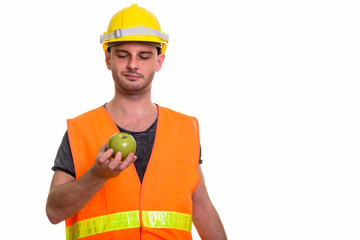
[[134, 24]]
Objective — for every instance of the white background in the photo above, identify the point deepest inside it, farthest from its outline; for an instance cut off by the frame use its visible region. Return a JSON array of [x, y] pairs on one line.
[[274, 85]]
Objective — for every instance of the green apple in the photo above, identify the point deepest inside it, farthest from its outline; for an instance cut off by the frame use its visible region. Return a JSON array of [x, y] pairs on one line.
[[122, 142]]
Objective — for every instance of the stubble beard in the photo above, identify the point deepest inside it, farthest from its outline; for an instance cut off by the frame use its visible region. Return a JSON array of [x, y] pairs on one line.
[[128, 88]]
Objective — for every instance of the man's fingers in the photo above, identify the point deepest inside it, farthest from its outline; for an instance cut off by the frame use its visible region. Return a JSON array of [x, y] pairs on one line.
[[103, 147], [105, 155], [115, 162], [128, 160]]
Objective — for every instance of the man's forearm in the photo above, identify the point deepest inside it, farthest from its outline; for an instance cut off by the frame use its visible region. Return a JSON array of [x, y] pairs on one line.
[[67, 199], [205, 217], [208, 223]]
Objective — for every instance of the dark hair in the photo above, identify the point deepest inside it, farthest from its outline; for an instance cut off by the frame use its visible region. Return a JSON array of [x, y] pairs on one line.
[[158, 50]]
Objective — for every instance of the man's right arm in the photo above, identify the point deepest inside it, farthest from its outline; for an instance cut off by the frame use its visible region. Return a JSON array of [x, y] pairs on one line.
[[67, 196]]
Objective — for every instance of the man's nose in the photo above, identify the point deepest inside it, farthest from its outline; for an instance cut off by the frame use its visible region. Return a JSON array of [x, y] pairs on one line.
[[133, 65]]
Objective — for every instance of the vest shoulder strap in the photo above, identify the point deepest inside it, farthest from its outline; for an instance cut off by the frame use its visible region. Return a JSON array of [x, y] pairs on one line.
[[81, 130]]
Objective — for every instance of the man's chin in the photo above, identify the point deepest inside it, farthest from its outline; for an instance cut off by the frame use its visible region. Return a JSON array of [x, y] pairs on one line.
[[134, 91]]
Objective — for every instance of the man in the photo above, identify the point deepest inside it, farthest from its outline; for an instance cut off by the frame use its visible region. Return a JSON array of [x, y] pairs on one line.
[[101, 197]]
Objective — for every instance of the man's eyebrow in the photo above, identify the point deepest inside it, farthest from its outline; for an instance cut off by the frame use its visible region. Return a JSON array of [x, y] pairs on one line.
[[121, 50], [141, 52], [146, 52]]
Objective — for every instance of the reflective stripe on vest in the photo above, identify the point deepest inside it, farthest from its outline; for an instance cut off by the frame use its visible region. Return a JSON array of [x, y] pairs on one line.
[[166, 219], [107, 223], [126, 220]]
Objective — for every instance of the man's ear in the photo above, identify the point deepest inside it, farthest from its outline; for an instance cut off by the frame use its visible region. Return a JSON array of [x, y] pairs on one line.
[[160, 60], [107, 59]]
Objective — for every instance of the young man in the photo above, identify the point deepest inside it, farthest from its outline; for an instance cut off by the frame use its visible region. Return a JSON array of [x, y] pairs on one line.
[[101, 197]]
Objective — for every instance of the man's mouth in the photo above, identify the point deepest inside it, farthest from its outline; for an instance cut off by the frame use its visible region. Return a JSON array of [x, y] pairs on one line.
[[132, 76]]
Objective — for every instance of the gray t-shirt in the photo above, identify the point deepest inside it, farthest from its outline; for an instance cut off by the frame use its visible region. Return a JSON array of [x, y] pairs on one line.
[[144, 145]]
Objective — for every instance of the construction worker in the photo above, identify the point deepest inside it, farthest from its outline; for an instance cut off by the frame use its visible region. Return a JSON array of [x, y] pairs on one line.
[[156, 193]]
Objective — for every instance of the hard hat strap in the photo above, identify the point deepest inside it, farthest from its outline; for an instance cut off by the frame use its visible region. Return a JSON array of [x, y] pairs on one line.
[[118, 33]]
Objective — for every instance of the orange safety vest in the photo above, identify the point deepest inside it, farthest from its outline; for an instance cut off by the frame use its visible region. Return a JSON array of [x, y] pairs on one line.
[[159, 208]]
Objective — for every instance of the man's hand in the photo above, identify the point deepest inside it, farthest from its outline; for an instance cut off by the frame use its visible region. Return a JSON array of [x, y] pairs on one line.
[[107, 167]]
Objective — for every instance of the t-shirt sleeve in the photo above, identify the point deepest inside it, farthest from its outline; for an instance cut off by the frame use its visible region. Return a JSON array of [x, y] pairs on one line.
[[64, 160]]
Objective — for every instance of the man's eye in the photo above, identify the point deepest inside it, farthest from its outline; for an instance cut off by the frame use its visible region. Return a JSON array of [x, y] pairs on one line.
[[144, 57], [122, 56]]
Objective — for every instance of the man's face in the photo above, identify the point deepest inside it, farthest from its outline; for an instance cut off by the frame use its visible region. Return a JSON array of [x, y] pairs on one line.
[[133, 66]]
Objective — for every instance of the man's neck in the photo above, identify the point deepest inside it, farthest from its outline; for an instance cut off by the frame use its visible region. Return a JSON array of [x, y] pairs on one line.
[[132, 114]]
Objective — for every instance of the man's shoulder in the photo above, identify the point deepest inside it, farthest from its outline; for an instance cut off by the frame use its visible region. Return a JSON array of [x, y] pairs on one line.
[[175, 112], [86, 114], [177, 117]]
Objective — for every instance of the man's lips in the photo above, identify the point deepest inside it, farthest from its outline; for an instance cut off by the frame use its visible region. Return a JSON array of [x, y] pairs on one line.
[[132, 76]]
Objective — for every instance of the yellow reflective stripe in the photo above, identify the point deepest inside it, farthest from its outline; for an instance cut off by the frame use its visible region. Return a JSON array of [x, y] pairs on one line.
[[166, 219], [107, 223]]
